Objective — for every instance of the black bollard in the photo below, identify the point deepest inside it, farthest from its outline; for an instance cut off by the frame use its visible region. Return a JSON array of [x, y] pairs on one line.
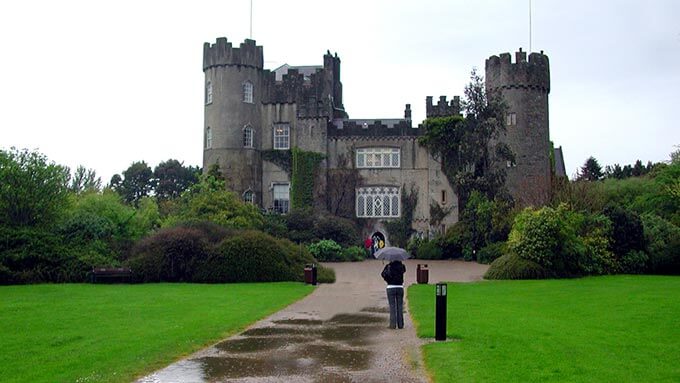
[[440, 312], [314, 274]]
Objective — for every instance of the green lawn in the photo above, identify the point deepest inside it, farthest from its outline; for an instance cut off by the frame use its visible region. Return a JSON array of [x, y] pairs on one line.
[[113, 333], [599, 329]]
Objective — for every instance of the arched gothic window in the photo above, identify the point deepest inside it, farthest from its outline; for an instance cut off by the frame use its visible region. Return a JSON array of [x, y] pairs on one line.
[[248, 137], [378, 202], [248, 92], [208, 93], [249, 196]]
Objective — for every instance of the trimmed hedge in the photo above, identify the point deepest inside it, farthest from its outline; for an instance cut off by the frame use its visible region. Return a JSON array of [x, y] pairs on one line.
[[491, 252], [512, 266], [170, 255], [252, 256]]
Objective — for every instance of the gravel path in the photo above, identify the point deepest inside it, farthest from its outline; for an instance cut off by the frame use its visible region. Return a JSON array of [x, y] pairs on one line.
[[339, 333]]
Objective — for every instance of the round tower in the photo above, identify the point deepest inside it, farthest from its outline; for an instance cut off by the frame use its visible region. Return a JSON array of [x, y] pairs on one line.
[[525, 86], [234, 85]]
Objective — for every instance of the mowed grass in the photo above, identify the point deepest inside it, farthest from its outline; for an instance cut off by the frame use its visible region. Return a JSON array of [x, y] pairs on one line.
[[599, 329], [114, 333]]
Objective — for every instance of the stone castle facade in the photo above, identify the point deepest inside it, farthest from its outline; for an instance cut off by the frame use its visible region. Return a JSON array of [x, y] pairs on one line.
[[251, 111]]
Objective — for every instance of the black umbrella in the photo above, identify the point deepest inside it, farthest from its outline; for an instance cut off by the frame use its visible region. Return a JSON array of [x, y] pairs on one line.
[[392, 254]]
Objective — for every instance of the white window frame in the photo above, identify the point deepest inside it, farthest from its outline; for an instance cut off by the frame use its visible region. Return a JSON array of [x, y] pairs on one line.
[[209, 93], [372, 158], [249, 197], [511, 119], [281, 136], [248, 140], [378, 202], [248, 92], [281, 197], [208, 138]]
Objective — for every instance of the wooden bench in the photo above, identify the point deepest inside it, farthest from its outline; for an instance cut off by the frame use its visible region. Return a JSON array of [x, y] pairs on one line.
[[110, 275]]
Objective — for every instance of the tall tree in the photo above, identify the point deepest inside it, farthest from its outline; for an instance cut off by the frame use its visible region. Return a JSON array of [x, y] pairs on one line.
[[84, 180], [468, 148], [172, 178], [137, 182], [33, 191], [590, 171]]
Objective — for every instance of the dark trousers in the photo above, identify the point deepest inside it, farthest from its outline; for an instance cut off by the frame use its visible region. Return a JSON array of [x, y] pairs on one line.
[[396, 298]]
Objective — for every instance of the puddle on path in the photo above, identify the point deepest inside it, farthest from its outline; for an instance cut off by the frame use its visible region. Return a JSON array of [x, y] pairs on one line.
[[273, 331], [357, 319], [300, 322], [304, 360], [382, 310], [352, 335], [256, 344]]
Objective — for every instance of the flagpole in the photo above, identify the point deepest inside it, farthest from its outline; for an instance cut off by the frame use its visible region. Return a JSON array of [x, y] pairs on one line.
[[251, 19]]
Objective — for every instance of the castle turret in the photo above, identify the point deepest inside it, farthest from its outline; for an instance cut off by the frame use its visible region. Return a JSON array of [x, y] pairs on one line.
[[525, 86], [235, 84]]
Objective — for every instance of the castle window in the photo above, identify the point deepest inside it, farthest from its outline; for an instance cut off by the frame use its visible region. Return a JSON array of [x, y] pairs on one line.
[[249, 197], [511, 119], [378, 202], [443, 197], [378, 158], [208, 93], [248, 137], [282, 198], [281, 136], [208, 138], [248, 92]]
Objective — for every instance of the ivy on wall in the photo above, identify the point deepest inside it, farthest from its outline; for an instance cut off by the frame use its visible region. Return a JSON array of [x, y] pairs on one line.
[[438, 213], [281, 158], [304, 167], [400, 230]]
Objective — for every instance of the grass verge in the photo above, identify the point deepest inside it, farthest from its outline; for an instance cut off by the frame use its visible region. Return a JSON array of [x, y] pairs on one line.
[[114, 333], [613, 329]]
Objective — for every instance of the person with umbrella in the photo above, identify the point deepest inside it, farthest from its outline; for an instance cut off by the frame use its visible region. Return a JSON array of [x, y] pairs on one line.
[[393, 274]]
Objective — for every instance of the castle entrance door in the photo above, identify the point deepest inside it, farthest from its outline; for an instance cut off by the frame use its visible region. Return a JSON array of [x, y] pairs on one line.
[[378, 242]]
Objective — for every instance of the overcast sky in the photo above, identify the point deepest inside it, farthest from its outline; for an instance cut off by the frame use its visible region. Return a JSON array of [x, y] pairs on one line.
[[106, 83]]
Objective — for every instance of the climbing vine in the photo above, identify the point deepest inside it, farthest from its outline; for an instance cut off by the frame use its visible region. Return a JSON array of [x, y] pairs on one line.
[[281, 158], [438, 213], [401, 229], [304, 168]]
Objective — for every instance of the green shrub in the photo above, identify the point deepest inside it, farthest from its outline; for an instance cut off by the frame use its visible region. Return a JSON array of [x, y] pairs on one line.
[[211, 231], [252, 256], [626, 230], [326, 250], [489, 253], [353, 254], [413, 245], [454, 241], [171, 255], [634, 262], [325, 274], [341, 230], [663, 244], [430, 250], [34, 255], [300, 225], [512, 266]]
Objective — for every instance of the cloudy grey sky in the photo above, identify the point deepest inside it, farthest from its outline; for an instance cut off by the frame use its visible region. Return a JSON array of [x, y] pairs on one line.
[[106, 83]]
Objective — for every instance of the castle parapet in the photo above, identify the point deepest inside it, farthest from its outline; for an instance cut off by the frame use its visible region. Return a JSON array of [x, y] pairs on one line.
[[223, 54], [443, 108], [502, 73]]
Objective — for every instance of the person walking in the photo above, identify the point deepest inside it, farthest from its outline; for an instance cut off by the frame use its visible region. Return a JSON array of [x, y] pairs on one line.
[[393, 274]]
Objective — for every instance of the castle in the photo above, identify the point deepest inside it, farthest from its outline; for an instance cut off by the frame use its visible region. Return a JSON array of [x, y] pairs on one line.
[[368, 164]]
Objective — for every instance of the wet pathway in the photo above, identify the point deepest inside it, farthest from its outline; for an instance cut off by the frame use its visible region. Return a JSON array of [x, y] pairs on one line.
[[339, 333]]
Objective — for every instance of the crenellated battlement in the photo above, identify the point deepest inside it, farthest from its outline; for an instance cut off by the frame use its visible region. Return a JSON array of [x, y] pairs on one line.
[[534, 73], [223, 54], [443, 108]]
